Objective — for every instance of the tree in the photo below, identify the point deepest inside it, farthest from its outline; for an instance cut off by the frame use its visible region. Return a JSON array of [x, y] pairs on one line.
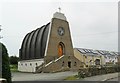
[[14, 60], [5, 64]]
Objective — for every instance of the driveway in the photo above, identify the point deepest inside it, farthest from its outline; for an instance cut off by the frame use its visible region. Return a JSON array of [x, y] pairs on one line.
[[18, 76]]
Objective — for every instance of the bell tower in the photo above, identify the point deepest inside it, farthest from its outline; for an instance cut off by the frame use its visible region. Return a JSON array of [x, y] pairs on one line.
[[59, 41]]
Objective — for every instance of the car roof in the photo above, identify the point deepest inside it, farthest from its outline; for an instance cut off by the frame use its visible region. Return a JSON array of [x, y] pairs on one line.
[[2, 79]]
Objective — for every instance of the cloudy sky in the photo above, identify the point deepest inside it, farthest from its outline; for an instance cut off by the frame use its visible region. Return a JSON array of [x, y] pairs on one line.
[[93, 23]]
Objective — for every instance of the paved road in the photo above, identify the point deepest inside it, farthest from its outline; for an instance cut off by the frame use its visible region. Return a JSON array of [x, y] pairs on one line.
[[17, 76], [100, 77], [58, 77], [115, 79]]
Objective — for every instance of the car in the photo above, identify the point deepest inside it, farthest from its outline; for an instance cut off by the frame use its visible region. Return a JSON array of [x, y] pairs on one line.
[[2, 80]]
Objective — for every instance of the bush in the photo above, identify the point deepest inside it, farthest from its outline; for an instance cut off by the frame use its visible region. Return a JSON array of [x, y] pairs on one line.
[[103, 70], [117, 68], [14, 60], [81, 74], [5, 64], [92, 71]]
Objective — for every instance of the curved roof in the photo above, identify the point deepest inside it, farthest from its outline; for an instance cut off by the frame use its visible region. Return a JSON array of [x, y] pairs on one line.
[[34, 44]]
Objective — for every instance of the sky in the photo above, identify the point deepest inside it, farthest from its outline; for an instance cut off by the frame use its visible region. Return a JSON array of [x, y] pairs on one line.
[[93, 23]]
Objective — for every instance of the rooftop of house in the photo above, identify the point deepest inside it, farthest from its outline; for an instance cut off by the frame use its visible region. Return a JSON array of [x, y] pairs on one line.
[[96, 52]]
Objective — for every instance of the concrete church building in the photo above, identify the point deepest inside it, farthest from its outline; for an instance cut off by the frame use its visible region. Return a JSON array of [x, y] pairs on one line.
[[49, 48]]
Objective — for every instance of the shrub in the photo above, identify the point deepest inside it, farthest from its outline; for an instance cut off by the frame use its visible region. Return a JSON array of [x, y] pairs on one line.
[[81, 74], [92, 71], [14, 60], [5, 64]]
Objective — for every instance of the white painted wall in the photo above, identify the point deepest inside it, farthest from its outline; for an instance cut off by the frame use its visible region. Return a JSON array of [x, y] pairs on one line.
[[111, 58], [29, 65], [116, 59], [103, 60]]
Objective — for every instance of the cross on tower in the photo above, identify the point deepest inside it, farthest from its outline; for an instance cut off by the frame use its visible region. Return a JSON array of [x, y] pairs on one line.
[[59, 9]]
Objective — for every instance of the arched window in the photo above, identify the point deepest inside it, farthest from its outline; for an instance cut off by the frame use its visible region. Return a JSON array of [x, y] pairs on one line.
[[61, 49]]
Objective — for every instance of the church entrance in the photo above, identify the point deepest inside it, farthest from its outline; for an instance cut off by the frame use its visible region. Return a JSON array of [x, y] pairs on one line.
[[61, 49], [69, 64]]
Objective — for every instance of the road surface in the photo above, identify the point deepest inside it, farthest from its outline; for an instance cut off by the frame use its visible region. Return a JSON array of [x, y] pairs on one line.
[[17, 76], [59, 77], [115, 79], [103, 77]]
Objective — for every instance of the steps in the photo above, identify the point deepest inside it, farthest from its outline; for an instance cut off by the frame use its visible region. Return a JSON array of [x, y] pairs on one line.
[[39, 68], [61, 64], [52, 66]]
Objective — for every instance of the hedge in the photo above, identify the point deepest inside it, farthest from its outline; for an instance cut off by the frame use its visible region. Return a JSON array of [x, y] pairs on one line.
[[92, 71], [5, 64]]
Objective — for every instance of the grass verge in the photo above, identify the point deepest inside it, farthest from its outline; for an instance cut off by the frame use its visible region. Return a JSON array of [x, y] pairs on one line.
[[13, 68], [75, 77]]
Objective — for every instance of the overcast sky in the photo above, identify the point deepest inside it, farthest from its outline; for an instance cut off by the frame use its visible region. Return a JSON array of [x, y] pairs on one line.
[[93, 23]]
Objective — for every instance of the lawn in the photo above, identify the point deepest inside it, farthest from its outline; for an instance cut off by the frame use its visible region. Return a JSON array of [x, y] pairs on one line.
[[74, 77], [14, 68]]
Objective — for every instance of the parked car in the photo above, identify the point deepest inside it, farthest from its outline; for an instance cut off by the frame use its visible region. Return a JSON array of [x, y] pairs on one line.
[[2, 80]]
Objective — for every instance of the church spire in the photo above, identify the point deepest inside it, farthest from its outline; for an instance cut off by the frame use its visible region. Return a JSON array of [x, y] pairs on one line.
[[59, 15]]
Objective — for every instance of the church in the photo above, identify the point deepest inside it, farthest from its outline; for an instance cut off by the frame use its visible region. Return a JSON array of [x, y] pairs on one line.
[[49, 49]]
